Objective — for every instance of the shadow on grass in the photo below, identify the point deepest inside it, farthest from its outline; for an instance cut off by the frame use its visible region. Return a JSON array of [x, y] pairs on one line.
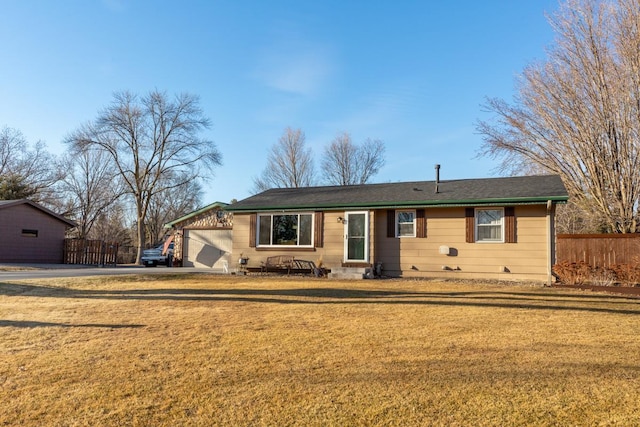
[[322, 296], [34, 324]]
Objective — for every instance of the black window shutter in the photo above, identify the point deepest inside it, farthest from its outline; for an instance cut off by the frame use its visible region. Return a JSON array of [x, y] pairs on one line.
[[391, 223], [470, 232], [253, 222], [421, 223], [509, 225], [319, 229]]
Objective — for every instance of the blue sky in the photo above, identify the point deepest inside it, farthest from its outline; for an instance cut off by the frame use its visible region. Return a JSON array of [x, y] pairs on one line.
[[411, 73]]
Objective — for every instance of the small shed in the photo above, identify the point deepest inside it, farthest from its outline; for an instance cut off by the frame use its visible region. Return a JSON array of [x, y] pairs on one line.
[[31, 233], [203, 238]]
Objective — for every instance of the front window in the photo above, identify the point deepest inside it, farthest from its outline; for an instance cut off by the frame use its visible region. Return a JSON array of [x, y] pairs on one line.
[[285, 230], [405, 223], [489, 225]]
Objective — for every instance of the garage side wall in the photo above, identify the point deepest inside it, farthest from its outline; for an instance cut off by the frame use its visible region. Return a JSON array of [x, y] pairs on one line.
[[30, 235]]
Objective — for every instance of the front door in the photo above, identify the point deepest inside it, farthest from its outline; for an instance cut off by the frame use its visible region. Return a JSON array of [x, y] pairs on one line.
[[356, 245]]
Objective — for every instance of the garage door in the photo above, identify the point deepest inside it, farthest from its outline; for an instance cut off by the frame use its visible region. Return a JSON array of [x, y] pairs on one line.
[[207, 248]]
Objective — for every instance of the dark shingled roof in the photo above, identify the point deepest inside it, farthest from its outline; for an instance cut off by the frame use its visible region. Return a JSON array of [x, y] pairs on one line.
[[461, 192], [8, 203]]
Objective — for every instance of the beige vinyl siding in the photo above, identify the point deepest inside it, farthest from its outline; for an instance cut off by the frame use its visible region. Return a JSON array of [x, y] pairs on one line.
[[331, 251], [413, 257], [420, 257], [240, 235]]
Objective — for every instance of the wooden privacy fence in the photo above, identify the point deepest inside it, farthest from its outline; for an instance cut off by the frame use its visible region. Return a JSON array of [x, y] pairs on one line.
[[599, 250], [90, 252]]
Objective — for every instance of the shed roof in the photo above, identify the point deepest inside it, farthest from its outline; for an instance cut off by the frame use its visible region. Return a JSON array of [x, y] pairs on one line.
[[5, 204], [463, 192]]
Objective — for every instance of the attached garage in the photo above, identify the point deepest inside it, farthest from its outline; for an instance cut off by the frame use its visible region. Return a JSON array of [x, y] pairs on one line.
[[207, 248], [203, 238]]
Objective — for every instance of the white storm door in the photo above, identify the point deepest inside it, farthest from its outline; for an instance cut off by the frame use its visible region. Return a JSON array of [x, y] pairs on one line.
[[356, 242]]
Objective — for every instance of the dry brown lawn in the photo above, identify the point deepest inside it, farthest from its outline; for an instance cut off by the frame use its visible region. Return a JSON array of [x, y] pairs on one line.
[[224, 350]]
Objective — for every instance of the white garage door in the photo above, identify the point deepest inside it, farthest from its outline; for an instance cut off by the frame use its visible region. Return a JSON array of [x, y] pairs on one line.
[[207, 248]]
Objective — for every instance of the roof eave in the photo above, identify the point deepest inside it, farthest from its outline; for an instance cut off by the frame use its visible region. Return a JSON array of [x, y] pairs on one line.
[[408, 204], [220, 205], [68, 222]]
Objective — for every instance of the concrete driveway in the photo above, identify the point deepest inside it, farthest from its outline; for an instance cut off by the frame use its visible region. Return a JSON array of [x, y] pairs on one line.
[[48, 271]]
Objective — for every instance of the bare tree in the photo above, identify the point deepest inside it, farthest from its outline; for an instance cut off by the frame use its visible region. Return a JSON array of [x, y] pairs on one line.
[[169, 205], [578, 112], [289, 164], [27, 171], [346, 163], [147, 138], [92, 185], [115, 225], [576, 218]]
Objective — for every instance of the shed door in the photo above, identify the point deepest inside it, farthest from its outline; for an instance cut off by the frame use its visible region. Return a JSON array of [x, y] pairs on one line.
[[207, 248]]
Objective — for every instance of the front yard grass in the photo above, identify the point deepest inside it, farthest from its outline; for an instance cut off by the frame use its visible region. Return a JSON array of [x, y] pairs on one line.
[[206, 350]]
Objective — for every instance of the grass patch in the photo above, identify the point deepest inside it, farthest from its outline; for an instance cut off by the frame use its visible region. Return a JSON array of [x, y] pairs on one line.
[[226, 350], [14, 268]]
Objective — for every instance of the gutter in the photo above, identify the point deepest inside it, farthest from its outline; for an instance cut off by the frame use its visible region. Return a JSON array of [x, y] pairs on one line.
[[401, 205]]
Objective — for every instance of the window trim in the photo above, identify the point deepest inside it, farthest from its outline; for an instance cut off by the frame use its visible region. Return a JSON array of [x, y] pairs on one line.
[[29, 232], [258, 245], [414, 222], [477, 225]]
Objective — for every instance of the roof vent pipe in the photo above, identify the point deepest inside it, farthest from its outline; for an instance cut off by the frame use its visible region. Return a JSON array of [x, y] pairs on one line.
[[437, 177]]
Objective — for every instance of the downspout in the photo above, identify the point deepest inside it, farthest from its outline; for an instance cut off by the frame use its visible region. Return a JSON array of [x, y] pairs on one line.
[[549, 243]]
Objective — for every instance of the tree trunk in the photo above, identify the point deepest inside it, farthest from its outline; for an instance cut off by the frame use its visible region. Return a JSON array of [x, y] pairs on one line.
[[141, 238]]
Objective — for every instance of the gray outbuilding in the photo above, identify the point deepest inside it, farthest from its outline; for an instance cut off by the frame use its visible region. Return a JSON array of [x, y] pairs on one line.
[[31, 233]]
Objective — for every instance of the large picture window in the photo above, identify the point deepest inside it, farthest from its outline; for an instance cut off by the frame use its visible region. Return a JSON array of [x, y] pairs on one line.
[[489, 225], [285, 229], [405, 223]]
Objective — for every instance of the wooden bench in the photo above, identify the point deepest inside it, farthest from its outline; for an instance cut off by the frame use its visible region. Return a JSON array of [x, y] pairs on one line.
[[277, 263], [282, 263]]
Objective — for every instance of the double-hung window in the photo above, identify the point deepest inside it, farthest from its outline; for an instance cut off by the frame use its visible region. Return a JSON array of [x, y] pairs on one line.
[[489, 225], [294, 229], [405, 223]]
